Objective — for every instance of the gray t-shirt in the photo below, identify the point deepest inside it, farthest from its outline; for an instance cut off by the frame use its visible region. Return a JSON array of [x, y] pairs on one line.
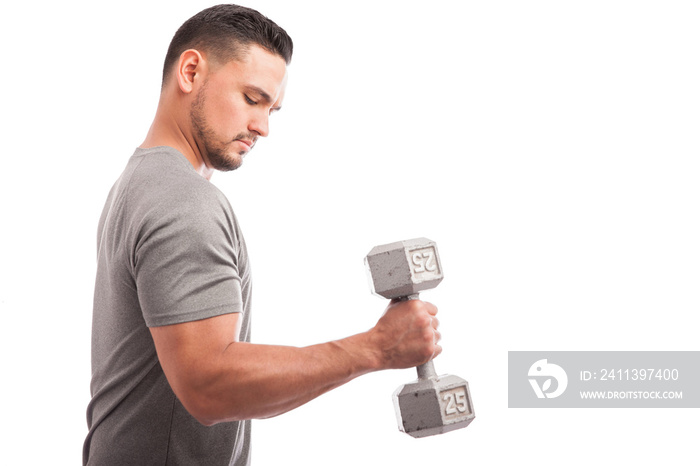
[[169, 250]]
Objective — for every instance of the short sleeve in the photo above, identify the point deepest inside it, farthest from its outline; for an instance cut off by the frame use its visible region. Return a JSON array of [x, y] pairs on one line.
[[185, 260]]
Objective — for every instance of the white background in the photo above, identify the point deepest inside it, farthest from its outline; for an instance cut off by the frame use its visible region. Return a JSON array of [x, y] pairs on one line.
[[550, 148]]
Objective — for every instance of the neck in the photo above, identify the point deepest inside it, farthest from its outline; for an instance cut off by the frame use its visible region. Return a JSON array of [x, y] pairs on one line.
[[167, 130]]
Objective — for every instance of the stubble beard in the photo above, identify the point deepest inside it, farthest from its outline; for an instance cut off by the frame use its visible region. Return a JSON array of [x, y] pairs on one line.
[[216, 153]]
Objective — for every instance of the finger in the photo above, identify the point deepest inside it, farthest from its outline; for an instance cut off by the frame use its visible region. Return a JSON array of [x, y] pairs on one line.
[[431, 308], [438, 350], [437, 337], [435, 323]]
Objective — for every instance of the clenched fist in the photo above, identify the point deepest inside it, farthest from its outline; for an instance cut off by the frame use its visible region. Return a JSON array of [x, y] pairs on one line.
[[407, 335]]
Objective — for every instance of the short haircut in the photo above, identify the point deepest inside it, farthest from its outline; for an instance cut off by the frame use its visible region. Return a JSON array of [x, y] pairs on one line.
[[225, 33]]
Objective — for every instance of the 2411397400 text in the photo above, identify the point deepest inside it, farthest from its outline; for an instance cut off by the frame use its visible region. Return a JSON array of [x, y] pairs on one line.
[[631, 374]]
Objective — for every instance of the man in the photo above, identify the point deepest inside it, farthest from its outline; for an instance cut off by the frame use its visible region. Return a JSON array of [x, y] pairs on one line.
[[175, 380]]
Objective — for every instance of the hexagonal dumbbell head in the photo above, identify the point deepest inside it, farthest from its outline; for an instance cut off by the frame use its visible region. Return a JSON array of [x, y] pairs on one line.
[[433, 406], [404, 268]]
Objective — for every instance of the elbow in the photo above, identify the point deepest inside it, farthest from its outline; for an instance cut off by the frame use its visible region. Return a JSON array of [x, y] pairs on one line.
[[202, 415], [196, 402], [197, 409], [202, 409], [208, 411], [206, 422], [210, 399], [200, 395]]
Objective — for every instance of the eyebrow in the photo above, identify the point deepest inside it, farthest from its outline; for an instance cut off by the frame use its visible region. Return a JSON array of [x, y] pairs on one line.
[[263, 95]]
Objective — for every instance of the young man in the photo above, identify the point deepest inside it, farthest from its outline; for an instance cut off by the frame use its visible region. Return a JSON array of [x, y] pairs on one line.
[[175, 380]]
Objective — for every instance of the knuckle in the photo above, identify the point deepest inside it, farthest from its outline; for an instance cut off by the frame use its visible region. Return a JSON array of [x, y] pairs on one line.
[[428, 337], [424, 321], [414, 305], [431, 308], [429, 352]]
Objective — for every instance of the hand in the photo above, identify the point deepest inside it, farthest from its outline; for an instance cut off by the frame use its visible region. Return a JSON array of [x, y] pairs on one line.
[[406, 335]]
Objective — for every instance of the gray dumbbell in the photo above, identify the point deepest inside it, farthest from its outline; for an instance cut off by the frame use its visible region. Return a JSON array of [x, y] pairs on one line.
[[432, 404]]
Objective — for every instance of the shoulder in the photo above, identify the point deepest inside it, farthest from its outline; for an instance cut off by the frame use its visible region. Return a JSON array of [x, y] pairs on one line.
[[166, 191], [162, 176]]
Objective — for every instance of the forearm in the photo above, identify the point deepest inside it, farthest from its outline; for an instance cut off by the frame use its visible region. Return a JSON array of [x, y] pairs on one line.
[[250, 381]]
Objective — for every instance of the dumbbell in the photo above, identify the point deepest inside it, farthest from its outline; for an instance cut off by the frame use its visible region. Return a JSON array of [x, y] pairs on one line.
[[431, 404]]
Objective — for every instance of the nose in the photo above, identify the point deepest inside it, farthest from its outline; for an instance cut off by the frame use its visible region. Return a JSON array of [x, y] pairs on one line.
[[260, 125]]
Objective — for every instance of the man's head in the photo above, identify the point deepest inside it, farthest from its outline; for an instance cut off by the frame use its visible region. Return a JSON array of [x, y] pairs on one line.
[[225, 33], [226, 69]]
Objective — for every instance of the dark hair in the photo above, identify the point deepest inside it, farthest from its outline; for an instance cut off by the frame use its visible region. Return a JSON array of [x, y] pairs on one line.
[[226, 32]]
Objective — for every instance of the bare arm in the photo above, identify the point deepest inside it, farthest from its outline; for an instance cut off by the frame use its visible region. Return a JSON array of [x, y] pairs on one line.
[[219, 379]]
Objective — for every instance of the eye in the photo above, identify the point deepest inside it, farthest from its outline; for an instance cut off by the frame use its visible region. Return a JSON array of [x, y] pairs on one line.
[[249, 100]]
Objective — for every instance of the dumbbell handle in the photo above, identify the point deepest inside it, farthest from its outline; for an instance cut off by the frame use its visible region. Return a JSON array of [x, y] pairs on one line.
[[427, 370]]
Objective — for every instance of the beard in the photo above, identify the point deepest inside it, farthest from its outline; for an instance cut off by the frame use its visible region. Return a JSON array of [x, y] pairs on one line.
[[216, 152]]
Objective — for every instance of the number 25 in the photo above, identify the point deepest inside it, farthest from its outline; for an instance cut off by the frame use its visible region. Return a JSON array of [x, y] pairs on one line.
[[456, 403], [424, 261]]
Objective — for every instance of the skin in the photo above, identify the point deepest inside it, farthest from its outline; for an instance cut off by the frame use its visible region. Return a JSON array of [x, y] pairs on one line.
[[213, 113]]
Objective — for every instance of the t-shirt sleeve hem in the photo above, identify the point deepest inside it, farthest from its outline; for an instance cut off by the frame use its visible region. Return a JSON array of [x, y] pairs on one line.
[[195, 315]]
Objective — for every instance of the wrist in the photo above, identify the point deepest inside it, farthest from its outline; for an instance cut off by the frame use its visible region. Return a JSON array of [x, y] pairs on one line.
[[362, 353]]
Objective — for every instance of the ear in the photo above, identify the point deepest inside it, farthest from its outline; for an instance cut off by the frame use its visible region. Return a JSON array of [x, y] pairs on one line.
[[189, 68]]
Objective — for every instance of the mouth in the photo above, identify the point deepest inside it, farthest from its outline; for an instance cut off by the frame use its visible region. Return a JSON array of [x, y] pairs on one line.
[[246, 143]]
